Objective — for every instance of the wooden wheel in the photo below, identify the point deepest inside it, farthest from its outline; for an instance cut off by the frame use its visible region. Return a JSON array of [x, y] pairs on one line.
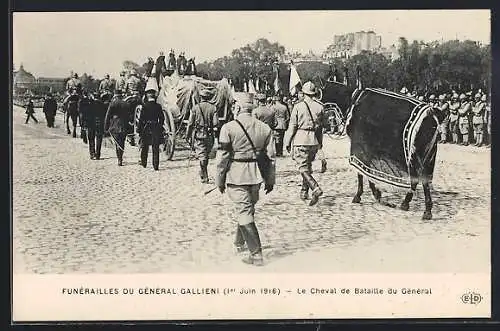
[[168, 135]]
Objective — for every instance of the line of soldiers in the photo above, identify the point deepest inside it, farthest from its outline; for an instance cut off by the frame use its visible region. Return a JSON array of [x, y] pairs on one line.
[[467, 118]]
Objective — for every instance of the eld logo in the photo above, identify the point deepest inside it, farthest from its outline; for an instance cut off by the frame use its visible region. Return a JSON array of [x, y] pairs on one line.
[[472, 298]]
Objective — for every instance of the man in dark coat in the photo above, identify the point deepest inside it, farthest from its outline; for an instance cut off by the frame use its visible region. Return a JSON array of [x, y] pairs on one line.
[[116, 122], [150, 127], [95, 126], [30, 110], [50, 109], [160, 68], [149, 66]]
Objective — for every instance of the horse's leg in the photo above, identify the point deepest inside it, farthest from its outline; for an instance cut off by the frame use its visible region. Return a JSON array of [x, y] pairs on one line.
[[428, 201], [357, 197], [67, 122], [405, 205], [74, 121], [377, 194]]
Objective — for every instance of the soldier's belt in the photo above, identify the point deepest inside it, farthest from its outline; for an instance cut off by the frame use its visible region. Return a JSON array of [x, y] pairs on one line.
[[244, 160]]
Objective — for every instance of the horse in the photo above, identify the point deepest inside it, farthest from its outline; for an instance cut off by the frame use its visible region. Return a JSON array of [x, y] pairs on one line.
[[181, 65], [407, 146], [71, 108], [191, 68], [172, 64]]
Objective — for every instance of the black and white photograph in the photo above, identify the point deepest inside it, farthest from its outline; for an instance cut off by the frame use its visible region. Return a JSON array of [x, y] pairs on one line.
[[252, 144]]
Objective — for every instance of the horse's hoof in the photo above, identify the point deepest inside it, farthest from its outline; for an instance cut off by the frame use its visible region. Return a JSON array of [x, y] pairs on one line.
[[356, 199], [427, 215], [404, 206]]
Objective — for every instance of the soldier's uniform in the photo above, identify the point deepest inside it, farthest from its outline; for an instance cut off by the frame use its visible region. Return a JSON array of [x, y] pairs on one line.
[[264, 113], [116, 123], [463, 120], [454, 129], [487, 118], [150, 128], [444, 108], [50, 110], [238, 169], [478, 111], [95, 126], [202, 121], [121, 82], [306, 120], [106, 86], [85, 113], [282, 116]]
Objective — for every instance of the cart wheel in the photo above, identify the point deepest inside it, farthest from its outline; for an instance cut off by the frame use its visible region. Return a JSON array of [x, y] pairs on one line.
[[169, 135]]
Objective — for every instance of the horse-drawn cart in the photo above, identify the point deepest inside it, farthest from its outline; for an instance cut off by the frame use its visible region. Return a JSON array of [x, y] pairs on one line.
[[177, 97]]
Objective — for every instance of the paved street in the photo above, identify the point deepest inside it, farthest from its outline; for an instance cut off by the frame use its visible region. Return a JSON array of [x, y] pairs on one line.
[[75, 215]]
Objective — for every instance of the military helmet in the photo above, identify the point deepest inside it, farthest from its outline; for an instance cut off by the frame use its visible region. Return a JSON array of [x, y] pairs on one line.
[[75, 75], [421, 98], [106, 76], [454, 96], [432, 97], [442, 97], [477, 96], [462, 96], [309, 88], [484, 98], [404, 90]]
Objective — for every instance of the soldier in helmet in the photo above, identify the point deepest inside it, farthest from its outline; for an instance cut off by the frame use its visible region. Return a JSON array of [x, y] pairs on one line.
[[463, 118], [263, 112], [116, 123], [454, 106], [150, 126], [305, 137], [106, 85], [202, 122], [444, 108], [74, 84], [121, 82], [478, 111], [242, 174]]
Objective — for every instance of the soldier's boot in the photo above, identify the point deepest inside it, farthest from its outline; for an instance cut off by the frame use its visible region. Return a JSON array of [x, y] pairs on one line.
[[323, 165], [119, 155], [204, 172], [205, 169], [83, 135], [239, 241], [304, 191], [98, 148], [465, 140], [156, 158], [443, 138], [92, 150], [74, 132], [252, 238], [316, 191]]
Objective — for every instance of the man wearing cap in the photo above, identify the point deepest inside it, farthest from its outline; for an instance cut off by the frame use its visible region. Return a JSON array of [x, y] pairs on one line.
[[478, 111], [106, 85], [444, 108], [454, 106], [263, 112], [463, 118], [121, 82], [242, 142], [160, 67], [116, 123], [282, 117], [306, 136], [50, 109], [95, 126], [30, 111], [202, 122], [150, 126]]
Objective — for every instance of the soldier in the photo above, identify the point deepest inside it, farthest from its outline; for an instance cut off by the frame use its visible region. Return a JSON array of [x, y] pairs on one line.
[[245, 161], [263, 113], [116, 122], [444, 108], [149, 67], [202, 121], [30, 111], [160, 68], [478, 111], [95, 126], [454, 106], [306, 119], [85, 113], [133, 84], [282, 116], [106, 85], [487, 118], [50, 109], [463, 118], [73, 84], [150, 127], [432, 100], [121, 82]]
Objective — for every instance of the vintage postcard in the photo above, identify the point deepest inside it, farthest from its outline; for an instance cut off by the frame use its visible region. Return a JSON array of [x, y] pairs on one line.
[[251, 165]]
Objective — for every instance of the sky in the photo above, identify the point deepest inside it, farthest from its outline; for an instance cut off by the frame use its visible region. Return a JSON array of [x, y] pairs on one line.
[[53, 44]]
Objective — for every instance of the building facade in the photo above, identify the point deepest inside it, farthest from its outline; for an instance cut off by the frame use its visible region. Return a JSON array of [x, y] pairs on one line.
[[350, 44], [25, 83]]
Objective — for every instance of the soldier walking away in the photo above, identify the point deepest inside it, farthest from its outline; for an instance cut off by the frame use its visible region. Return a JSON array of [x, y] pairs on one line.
[[263, 112], [444, 108], [454, 106], [116, 123], [150, 126], [202, 121], [245, 161], [478, 111], [85, 110], [95, 126], [50, 109], [463, 118], [306, 137], [30, 111], [282, 116]]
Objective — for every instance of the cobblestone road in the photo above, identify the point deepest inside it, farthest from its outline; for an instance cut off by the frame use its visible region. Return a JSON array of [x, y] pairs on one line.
[[75, 215]]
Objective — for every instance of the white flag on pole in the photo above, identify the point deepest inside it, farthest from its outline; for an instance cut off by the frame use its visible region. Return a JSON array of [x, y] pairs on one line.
[[294, 79]]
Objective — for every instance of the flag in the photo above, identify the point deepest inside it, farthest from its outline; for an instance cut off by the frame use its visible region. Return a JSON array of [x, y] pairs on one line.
[[294, 79], [276, 80], [251, 87], [257, 87]]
